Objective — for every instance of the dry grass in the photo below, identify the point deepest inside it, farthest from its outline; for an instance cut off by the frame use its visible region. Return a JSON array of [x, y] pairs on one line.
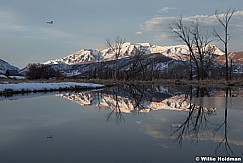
[[204, 83]]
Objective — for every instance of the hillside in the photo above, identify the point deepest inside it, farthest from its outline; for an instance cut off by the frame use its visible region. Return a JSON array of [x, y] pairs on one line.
[[237, 57], [4, 66]]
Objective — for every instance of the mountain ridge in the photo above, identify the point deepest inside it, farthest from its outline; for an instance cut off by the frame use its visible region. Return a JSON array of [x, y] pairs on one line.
[[177, 52]]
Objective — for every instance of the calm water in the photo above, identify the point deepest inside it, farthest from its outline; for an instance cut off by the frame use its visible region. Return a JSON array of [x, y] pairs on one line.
[[125, 124]]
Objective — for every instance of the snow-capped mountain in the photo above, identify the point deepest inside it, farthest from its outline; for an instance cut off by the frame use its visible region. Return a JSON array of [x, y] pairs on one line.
[[178, 52], [4, 66], [162, 58]]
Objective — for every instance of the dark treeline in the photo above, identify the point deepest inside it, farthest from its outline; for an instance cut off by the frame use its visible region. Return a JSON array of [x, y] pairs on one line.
[[41, 71]]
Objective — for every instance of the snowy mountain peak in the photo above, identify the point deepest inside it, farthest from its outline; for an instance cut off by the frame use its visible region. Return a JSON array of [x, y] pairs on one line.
[[178, 52], [83, 55]]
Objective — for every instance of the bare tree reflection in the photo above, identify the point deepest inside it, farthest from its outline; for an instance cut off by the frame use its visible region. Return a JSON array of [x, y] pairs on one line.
[[116, 111], [138, 97], [99, 95], [224, 145], [196, 119]]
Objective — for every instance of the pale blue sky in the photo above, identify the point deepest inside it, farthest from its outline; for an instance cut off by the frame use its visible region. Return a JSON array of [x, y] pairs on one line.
[[26, 38]]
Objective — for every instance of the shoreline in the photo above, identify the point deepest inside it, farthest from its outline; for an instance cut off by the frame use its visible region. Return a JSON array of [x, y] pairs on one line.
[[9, 87], [177, 82], [24, 87]]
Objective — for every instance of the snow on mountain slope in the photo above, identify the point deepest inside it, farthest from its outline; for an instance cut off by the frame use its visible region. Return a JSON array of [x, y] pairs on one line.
[[4, 66], [178, 52], [83, 55], [90, 55]]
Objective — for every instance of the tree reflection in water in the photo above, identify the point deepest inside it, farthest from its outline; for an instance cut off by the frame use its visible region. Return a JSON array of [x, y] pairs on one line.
[[197, 120], [224, 145], [116, 111], [138, 95]]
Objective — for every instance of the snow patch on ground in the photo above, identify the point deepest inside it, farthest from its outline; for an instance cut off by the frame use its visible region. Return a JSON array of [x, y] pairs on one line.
[[17, 77], [3, 76], [30, 87]]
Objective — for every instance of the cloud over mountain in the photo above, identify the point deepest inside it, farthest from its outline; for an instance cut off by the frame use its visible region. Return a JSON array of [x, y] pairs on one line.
[[159, 24], [166, 9]]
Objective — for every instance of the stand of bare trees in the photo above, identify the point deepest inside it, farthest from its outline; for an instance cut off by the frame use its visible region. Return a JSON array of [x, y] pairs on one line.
[[200, 52]]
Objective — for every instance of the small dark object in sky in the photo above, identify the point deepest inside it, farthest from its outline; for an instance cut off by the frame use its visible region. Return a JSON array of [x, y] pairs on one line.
[[49, 137], [50, 22]]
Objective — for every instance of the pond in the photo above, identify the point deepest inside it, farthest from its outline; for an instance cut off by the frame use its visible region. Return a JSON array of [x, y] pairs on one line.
[[128, 123]]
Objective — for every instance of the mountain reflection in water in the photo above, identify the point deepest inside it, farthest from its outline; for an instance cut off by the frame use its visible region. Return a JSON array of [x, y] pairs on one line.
[[133, 99], [199, 124]]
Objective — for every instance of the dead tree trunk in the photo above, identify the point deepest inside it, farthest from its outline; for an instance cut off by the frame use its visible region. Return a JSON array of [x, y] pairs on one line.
[[224, 20]]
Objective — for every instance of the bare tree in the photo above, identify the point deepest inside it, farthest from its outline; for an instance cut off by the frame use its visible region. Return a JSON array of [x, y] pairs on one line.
[[202, 48], [197, 44], [183, 32], [224, 20], [116, 48], [188, 35], [137, 64]]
